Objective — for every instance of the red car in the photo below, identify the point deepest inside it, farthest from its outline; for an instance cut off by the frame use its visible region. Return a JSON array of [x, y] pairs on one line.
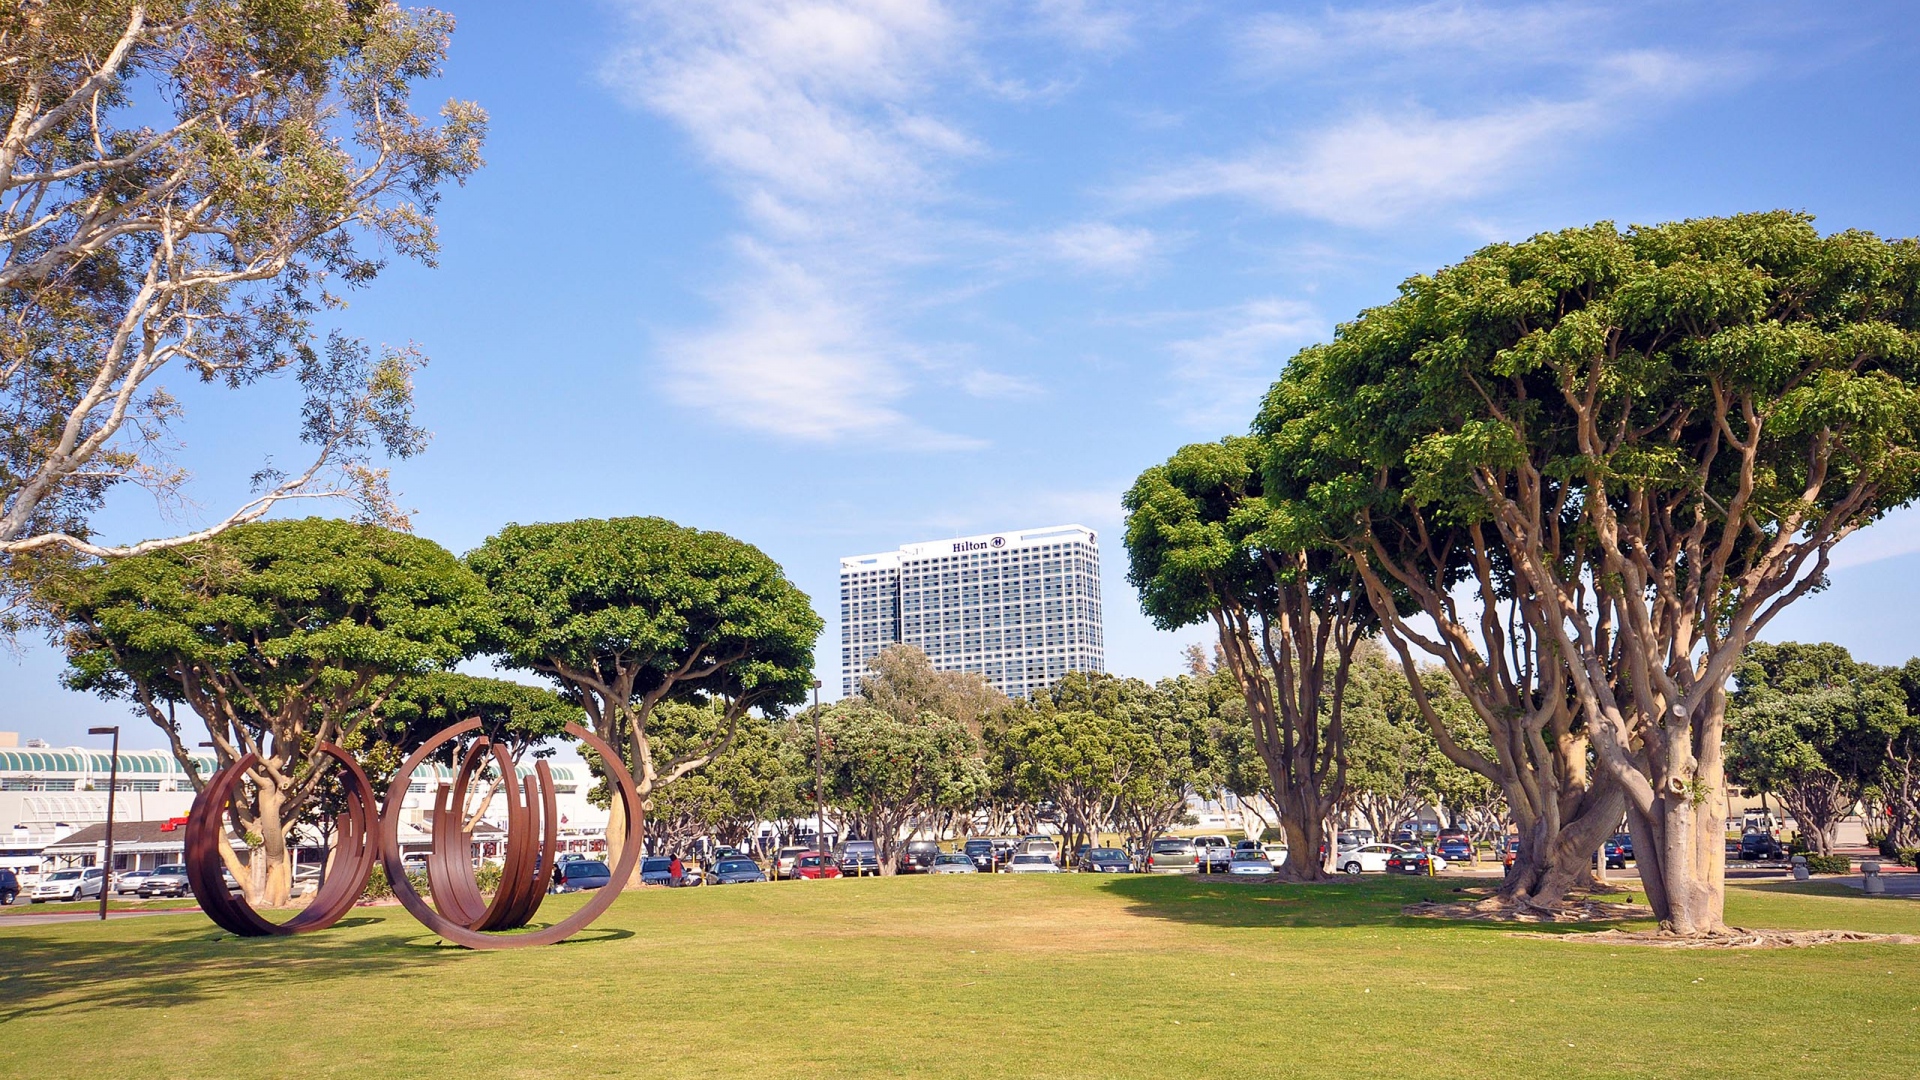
[[814, 865]]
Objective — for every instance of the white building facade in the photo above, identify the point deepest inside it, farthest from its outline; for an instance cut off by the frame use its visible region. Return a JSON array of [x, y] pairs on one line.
[[1021, 608]]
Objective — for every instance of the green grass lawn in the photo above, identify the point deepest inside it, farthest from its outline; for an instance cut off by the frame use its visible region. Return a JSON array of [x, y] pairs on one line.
[[975, 977]]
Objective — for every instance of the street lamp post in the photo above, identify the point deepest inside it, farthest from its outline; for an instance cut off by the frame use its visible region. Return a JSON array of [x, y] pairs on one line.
[[113, 785], [819, 786]]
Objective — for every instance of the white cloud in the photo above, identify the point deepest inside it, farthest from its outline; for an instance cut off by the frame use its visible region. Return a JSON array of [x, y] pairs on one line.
[[1432, 33], [807, 106], [981, 383], [1102, 246], [1221, 374], [1375, 168], [1380, 165], [1094, 25], [793, 359]]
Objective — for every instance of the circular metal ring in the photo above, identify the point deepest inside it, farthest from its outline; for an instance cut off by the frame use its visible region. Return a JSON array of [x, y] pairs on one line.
[[357, 846], [454, 931]]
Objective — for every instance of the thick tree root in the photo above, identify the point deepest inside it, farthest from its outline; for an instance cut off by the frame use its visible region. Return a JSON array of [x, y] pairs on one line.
[[1576, 908], [1732, 938]]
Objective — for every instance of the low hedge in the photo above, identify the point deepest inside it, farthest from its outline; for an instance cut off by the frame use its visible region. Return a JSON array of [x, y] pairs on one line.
[[1829, 864]]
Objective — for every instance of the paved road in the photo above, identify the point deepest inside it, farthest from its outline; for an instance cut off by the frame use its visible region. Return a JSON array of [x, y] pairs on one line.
[[86, 916]]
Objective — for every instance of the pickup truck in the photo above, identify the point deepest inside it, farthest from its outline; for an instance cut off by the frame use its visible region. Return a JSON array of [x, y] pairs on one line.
[[1213, 854]]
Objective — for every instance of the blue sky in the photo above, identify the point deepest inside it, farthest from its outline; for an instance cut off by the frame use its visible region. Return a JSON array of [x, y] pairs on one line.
[[837, 275]]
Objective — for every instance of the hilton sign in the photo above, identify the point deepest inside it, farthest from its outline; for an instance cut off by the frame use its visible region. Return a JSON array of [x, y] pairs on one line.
[[979, 545]]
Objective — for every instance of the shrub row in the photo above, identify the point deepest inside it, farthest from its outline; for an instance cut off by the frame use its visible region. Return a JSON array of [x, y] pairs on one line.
[[1829, 864]]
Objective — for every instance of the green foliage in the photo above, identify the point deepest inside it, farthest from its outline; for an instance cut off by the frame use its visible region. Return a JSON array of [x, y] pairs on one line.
[[623, 613], [1828, 864], [758, 776], [188, 207], [487, 877], [1812, 725], [1394, 764], [882, 771], [277, 635]]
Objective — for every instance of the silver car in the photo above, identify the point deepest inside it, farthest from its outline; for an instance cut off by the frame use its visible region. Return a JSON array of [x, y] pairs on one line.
[[1031, 862], [952, 862]]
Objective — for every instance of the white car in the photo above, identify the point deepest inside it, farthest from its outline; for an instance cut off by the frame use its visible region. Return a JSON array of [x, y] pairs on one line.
[[1250, 862], [1031, 862], [69, 885], [1277, 854], [1368, 858], [1212, 851]]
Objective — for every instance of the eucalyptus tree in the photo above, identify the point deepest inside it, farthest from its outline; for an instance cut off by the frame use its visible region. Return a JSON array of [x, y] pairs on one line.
[[1602, 460], [623, 614], [883, 773], [1206, 545], [277, 635], [760, 776], [184, 184]]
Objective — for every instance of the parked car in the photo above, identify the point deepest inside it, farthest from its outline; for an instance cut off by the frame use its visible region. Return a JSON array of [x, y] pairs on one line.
[[1172, 855], [129, 882], [1368, 858], [1455, 848], [1105, 860], [1352, 838], [783, 862], [980, 853], [738, 871], [918, 856], [1759, 845], [1623, 841], [168, 880], [1040, 845], [953, 862], [815, 865], [9, 886], [1276, 853], [1247, 845], [655, 871], [858, 858], [1032, 862], [1213, 854], [1615, 853], [1251, 862], [1414, 861], [70, 885], [582, 875], [568, 856]]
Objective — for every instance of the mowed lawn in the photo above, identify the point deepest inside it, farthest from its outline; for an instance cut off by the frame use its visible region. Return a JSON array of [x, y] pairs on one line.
[[975, 977]]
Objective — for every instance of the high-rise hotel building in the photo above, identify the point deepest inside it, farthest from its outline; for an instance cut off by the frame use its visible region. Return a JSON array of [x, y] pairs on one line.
[[1021, 608]]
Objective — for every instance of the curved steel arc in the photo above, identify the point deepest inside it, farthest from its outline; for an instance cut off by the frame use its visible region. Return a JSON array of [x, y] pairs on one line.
[[356, 846], [530, 810]]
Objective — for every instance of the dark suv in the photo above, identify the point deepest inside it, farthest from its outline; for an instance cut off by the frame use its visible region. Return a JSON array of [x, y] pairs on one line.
[[1759, 845], [918, 856], [9, 886], [858, 858]]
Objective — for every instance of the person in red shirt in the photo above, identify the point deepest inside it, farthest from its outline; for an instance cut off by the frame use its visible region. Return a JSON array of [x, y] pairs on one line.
[[675, 870]]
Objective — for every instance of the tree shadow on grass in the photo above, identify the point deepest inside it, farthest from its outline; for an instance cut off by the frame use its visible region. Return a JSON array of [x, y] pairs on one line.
[[1344, 903], [166, 962]]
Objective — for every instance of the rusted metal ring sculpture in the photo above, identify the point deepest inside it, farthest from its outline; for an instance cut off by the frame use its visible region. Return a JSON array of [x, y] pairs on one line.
[[461, 916], [353, 858]]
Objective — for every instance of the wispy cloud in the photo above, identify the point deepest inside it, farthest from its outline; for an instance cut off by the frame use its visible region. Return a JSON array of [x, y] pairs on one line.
[[815, 114], [1103, 246], [1503, 34], [1220, 374], [1094, 25], [1383, 162]]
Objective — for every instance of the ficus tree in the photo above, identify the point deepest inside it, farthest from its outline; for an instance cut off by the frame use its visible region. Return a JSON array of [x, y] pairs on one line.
[[1635, 447], [277, 636], [1205, 545], [623, 614], [184, 185], [1810, 725]]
